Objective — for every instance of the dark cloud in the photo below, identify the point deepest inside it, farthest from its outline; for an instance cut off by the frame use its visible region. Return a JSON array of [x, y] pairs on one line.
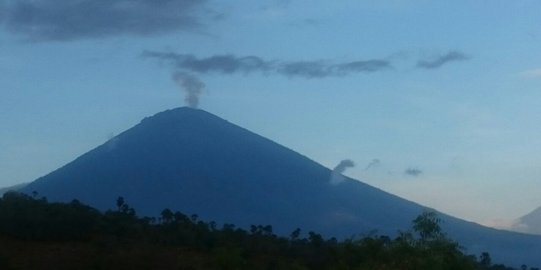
[[363, 66], [305, 69], [321, 69], [226, 64], [413, 172], [230, 64], [441, 60], [63, 20]]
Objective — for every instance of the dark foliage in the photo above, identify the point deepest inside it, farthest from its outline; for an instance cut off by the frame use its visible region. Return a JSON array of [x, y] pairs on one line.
[[24, 217], [35, 234]]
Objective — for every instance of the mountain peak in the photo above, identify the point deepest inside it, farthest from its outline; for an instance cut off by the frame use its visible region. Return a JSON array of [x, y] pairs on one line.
[[183, 110], [181, 113], [178, 156]]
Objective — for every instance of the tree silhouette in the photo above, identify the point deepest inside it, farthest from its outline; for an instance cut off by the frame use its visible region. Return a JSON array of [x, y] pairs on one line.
[[485, 261], [427, 225], [124, 241]]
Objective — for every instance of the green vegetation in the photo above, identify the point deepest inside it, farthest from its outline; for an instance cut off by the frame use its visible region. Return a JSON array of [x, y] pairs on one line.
[[35, 234]]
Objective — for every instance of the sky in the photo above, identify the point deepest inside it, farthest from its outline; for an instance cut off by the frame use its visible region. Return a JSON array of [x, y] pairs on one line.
[[435, 101]]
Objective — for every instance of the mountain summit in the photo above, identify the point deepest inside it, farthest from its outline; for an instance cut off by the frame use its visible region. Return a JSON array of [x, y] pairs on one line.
[[192, 161]]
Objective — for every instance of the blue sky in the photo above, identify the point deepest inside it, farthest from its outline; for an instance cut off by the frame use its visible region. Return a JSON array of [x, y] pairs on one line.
[[435, 101]]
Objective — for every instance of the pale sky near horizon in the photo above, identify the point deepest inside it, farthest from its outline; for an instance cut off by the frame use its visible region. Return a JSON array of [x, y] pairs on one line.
[[435, 101]]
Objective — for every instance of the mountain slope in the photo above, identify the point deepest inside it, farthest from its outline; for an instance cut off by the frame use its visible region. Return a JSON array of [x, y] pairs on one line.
[[530, 223], [194, 162]]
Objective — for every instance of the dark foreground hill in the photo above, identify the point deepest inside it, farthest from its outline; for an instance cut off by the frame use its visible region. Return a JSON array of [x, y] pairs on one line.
[[35, 234], [12, 188], [195, 162]]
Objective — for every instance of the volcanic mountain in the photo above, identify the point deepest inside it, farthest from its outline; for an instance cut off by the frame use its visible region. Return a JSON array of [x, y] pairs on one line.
[[194, 162]]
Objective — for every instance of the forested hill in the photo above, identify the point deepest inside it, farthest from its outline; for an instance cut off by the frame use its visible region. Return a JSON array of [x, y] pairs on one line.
[[36, 234]]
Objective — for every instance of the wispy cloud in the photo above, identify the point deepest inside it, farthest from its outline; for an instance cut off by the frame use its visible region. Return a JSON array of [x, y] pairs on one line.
[[276, 4], [373, 164], [440, 60], [308, 22], [189, 66], [64, 20], [532, 73], [413, 172], [224, 64], [230, 64]]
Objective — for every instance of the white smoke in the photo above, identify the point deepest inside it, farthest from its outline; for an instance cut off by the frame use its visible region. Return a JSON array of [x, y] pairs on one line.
[[191, 86], [336, 175]]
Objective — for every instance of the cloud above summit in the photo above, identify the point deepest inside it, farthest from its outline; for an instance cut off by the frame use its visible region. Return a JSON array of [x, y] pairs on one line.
[[231, 64], [225, 64], [65, 20]]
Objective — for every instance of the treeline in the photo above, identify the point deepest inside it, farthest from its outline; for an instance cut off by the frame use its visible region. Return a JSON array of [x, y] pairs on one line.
[[36, 234]]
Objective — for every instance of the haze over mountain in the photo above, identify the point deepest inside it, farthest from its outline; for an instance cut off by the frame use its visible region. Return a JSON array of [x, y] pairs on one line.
[[12, 188], [192, 161], [530, 223]]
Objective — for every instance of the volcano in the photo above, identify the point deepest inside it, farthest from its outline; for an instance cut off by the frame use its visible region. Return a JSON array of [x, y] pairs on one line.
[[197, 163]]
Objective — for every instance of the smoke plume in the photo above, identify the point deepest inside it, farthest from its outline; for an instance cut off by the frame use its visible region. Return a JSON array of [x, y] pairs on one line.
[[374, 163], [191, 86], [336, 175]]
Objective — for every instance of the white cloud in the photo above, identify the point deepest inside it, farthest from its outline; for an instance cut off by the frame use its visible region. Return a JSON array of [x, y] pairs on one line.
[[532, 73], [515, 225], [502, 224]]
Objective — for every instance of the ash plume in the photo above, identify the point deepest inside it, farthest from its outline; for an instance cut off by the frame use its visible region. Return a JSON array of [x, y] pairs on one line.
[[336, 175], [192, 87]]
